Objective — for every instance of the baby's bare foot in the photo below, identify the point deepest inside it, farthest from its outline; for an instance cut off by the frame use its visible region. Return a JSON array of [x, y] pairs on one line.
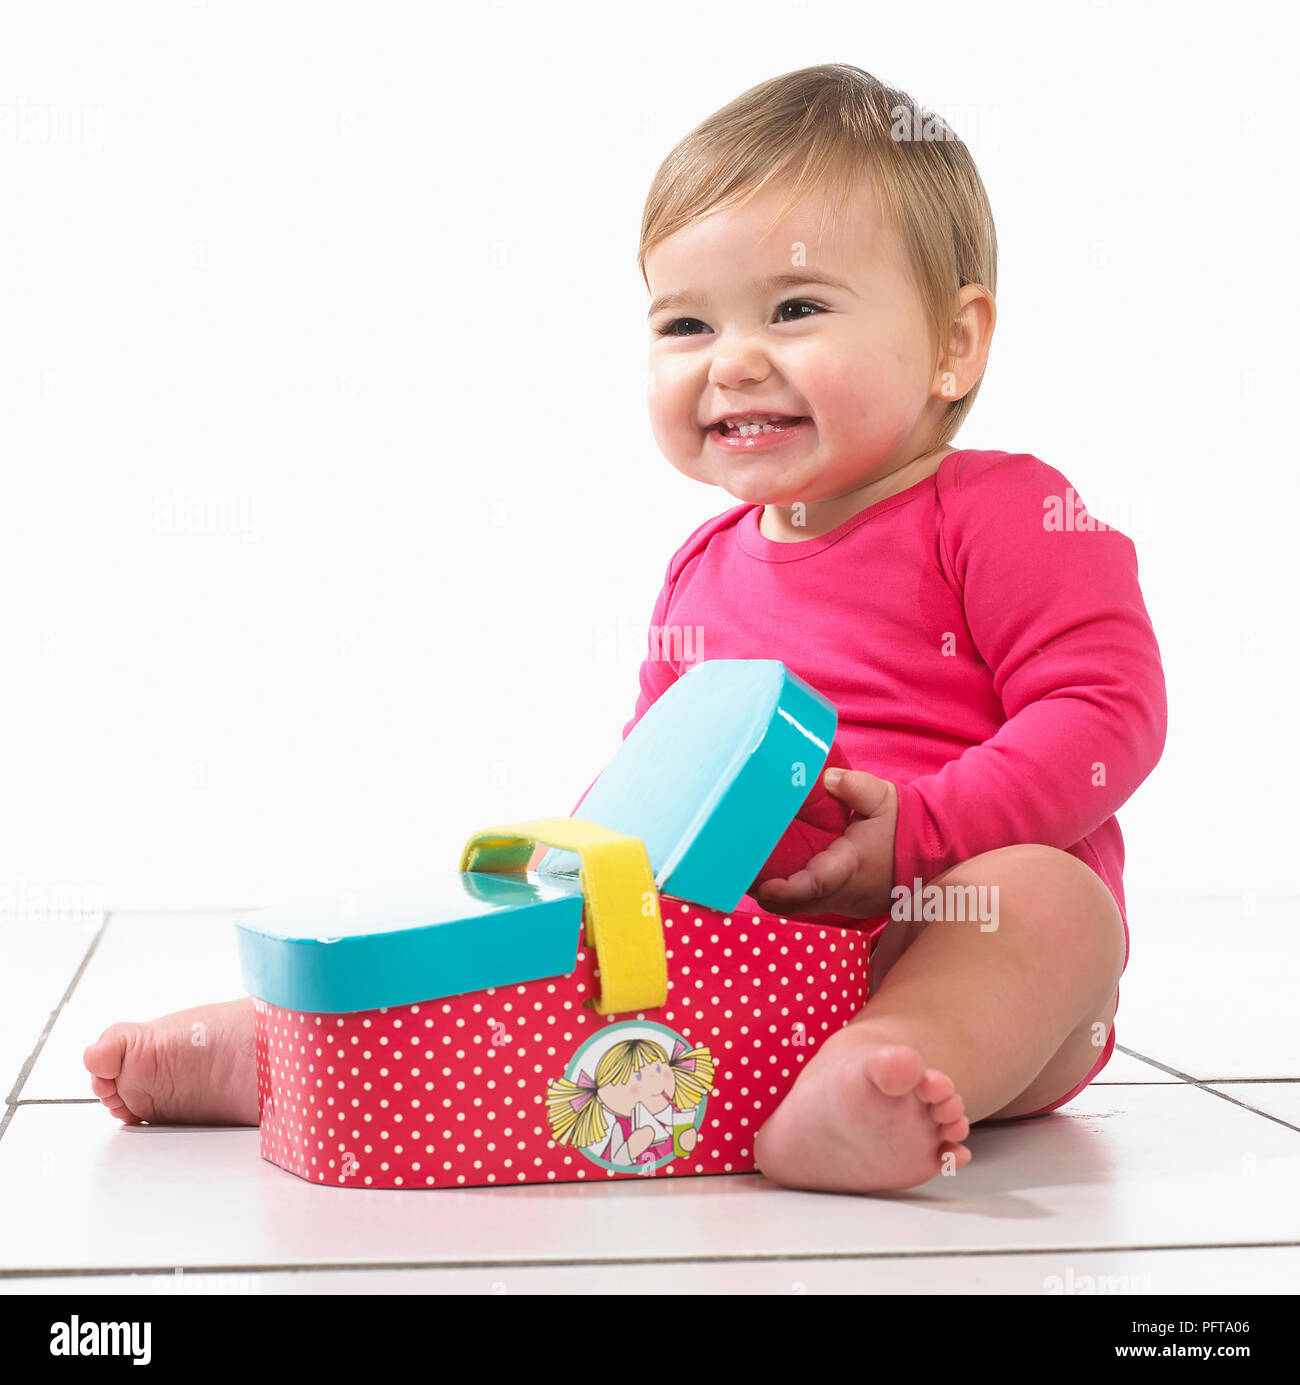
[[194, 1067], [864, 1117]]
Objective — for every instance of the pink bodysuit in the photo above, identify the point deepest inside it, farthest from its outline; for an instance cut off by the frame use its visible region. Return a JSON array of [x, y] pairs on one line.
[[985, 643]]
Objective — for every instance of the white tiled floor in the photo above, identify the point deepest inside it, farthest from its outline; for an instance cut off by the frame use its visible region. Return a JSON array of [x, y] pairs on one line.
[[1175, 1173], [39, 957]]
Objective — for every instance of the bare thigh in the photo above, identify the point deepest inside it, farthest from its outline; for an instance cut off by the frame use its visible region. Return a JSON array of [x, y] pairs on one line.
[[1079, 1052]]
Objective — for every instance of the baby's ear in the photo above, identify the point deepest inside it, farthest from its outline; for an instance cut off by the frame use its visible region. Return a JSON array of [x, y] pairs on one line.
[[820, 819]]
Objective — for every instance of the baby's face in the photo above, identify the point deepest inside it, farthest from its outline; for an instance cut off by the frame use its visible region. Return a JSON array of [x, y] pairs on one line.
[[852, 358]]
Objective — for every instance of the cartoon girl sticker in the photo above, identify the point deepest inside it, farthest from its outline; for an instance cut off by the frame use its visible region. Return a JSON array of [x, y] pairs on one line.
[[636, 1104]]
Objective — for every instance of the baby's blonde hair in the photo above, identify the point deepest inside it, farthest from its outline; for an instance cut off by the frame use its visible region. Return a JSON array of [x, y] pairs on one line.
[[828, 127]]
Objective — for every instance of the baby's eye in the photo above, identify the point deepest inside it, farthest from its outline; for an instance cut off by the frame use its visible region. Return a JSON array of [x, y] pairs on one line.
[[670, 330], [799, 303], [638, 1077]]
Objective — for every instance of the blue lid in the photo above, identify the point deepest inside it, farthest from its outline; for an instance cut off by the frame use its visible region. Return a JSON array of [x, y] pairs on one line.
[[711, 777], [401, 944]]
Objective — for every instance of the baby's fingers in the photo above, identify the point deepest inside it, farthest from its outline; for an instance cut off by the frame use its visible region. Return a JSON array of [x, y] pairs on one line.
[[827, 873]]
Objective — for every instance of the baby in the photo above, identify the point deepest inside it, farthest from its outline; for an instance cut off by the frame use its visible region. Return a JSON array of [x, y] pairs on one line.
[[821, 261]]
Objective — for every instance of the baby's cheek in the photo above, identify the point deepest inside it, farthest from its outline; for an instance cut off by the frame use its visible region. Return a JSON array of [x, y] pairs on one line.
[[848, 380], [671, 408], [866, 401], [665, 428]]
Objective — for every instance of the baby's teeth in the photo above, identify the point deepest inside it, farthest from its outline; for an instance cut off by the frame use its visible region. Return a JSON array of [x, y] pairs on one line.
[[746, 430]]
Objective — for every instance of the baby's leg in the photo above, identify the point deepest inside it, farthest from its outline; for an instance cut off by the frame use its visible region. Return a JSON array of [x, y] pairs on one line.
[[194, 1067], [967, 1025]]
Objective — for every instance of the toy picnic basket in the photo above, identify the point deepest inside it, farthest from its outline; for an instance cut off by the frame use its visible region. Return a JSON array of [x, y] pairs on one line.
[[604, 1016]]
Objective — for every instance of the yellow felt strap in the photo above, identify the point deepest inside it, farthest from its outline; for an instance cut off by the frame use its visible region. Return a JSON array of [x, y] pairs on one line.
[[620, 900]]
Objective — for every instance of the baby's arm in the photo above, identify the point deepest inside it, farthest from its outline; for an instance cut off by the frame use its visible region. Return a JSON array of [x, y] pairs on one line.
[[1058, 616]]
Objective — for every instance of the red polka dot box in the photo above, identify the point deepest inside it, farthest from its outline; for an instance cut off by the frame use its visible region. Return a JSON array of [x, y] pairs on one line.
[[612, 1014]]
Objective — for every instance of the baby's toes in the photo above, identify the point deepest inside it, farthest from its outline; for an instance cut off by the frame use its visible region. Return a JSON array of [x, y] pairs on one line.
[[895, 1068], [935, 1086], [117, 1107], [106, 1090], [961, 1155], [955, 1130], [950, 1116], [104, 1058], [947, 1110]]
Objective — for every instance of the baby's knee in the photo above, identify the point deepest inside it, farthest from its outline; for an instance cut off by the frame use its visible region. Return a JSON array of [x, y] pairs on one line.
[[1052, 893]]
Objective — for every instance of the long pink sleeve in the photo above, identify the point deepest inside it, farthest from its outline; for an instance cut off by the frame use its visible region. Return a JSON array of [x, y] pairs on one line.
[[1000, 671], [1057, 615]]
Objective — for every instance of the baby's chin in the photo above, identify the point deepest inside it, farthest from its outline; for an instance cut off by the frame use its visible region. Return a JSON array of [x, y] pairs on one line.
[[784, 489], [782, 497], [757, 484], [757, 480], [765, 481]]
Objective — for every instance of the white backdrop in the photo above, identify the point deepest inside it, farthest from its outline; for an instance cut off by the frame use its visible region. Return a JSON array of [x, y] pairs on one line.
[[330, 516]]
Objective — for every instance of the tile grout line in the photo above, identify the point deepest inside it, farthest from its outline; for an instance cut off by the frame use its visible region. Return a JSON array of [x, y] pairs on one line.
[[776, 1257], [1205, 1086], [94, 1101], [1225, 1081], [1214, 1082], [12, 1101], [1182, 1076], [1211, 1082]]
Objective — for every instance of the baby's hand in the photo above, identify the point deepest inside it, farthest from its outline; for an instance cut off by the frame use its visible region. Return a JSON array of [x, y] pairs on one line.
[[821, 820], [854, 874]]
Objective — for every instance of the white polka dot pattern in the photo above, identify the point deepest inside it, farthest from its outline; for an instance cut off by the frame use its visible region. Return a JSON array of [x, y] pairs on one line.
[[452, 1092]]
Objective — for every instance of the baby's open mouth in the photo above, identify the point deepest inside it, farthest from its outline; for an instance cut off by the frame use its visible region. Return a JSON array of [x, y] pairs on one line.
[[760, 423]]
